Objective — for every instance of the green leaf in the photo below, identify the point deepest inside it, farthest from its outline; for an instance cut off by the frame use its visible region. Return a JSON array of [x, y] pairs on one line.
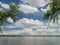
[[13, 13], [52, 14], [1, 22]]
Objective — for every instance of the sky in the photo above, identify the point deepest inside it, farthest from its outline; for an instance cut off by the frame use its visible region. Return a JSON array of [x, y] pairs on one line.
[[30, 19]]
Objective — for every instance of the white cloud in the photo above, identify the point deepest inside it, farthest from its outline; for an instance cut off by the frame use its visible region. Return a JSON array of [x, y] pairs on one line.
[[51, 24], [10, 20], [10, 26], [45, 10], [28, 9], [28, 23], [5, 6], [23, 8], [24, 31], [39, 3], [1, 8], [29, 31], [0, 3]]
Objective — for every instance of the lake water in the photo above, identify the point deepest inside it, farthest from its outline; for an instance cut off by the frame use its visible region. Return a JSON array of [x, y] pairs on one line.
[[29, 40]]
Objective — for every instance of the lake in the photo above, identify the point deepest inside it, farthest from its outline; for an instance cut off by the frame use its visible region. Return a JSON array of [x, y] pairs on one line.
[[29, 40]]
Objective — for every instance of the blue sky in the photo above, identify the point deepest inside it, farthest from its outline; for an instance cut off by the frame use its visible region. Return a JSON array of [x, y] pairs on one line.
[[30, 19]]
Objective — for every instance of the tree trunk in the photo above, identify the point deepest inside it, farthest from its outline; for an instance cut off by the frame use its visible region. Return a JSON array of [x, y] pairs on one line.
[[1, 29]]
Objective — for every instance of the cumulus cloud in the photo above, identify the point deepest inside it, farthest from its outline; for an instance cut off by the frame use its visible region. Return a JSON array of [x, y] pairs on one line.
[[39, 3], [29, 31], [25, 31], [5, 6], [10, 26], [28, 9], [30, 26], [29, 23], [10, 20], [45, 10], [33, 27], [23, 8]]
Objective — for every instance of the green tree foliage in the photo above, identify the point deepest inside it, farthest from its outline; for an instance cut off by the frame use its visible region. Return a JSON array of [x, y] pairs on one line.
[[52, 14], [13, 13]]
